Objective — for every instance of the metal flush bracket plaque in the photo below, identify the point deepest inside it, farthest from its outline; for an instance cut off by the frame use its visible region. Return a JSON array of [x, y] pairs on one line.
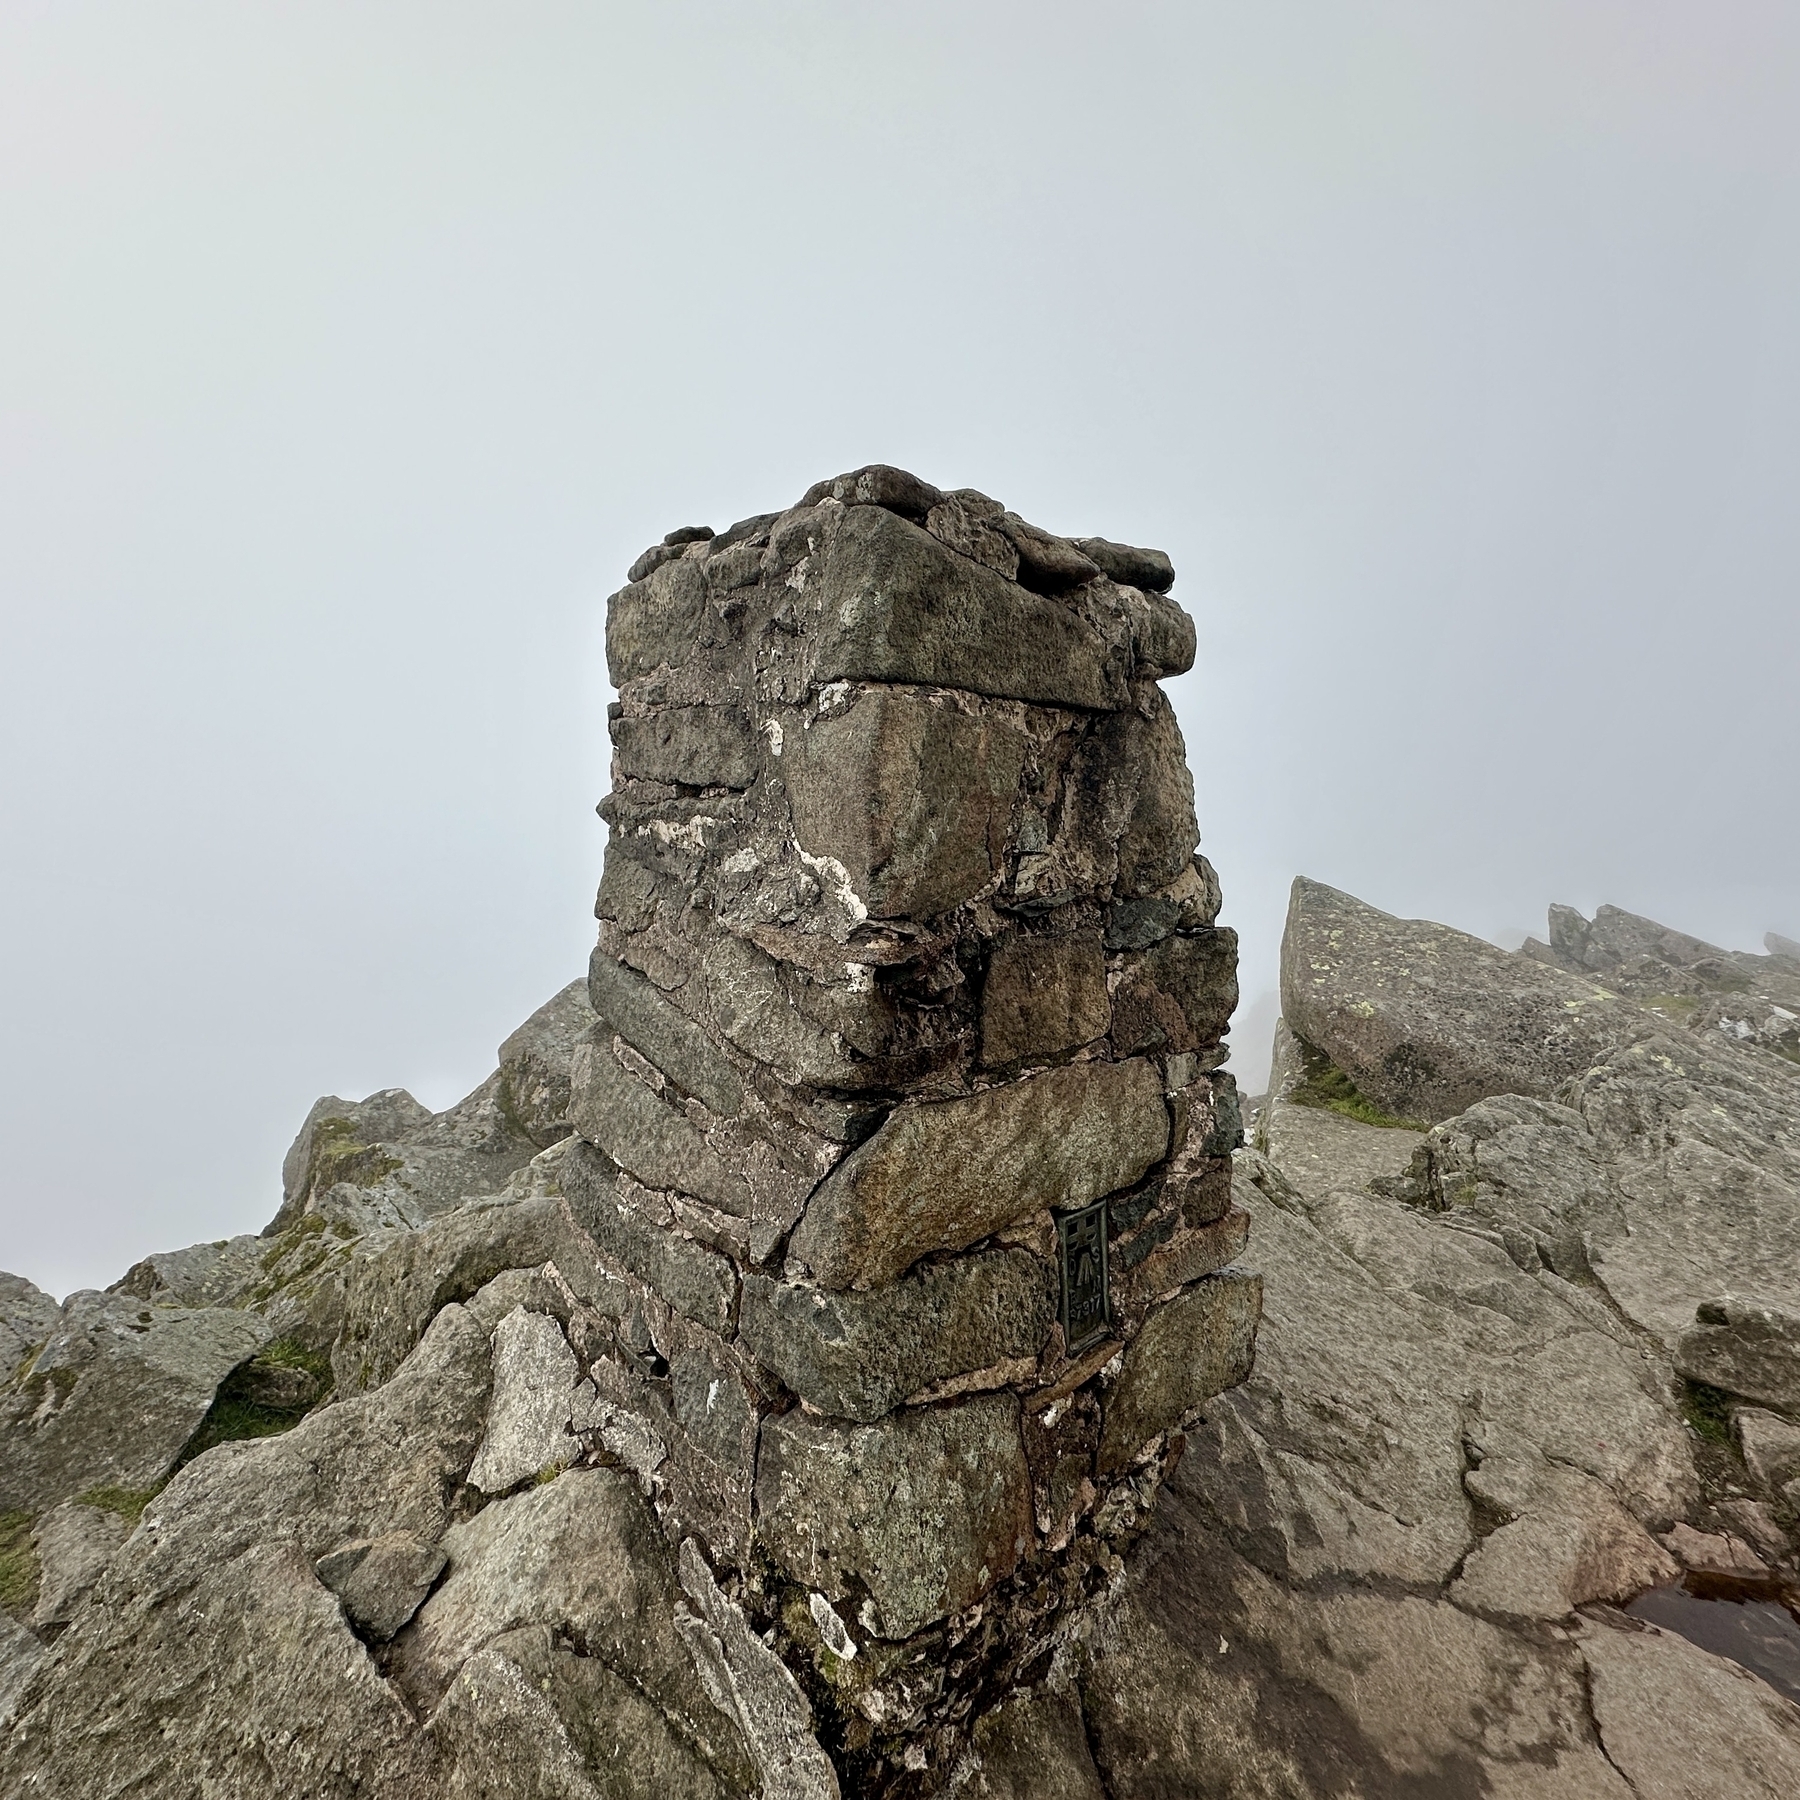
[[1081, 1255]]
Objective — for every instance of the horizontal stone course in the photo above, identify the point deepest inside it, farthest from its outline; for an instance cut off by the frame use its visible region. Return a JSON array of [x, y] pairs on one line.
[[859, 1355], [941, 1176]]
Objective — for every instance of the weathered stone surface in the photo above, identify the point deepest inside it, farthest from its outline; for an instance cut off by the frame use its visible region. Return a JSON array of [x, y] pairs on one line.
[[535, 1063], [580, 1555], [967, 526], [942, 1176], [753, 1688], [74, 1543], [531, 1718], [20, 1654], [1179, 995], [859, 1355], [1032, 1747], [1192, 1251], [695, 746], [648, 1133], [1425, 1020], [1043, 994], [1749, 1350], [1770, 1446], [1712, 1553], [216, 1274], [1129, 786], [113, 1395], [537, 1382], [27, 1317], [1672, 1177], [1677, 1722], [927, 1508], [1150, 570], [697, 1282], [656, 620], [1188, 1351], [878, 484], [209, 1658], [910, 795], [665, 1036], [381, 1581], [898, 606], [387, 1160], [1565, 1542], [397, 1285]]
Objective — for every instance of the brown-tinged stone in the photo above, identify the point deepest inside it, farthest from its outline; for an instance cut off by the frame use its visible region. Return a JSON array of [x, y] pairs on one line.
[[1188, 1351], [941, 1176], [910, 796], [1043, 995]]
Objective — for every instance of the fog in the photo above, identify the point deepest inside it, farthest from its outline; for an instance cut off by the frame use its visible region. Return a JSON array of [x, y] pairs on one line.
[[350, 353]]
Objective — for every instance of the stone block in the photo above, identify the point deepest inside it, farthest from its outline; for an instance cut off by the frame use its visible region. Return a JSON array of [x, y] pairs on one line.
[[1770, 1446], [859, 1355], [662, 1034], [1195, 1347], [1749, 1350], [655, 621], [695, 746], [910, 795], [927, 1509], [698, 1283], [1043, 995], [645, 1133], [1179, 996], [1189, 1253], [899, 606], [942, 1175], [1148, 570]]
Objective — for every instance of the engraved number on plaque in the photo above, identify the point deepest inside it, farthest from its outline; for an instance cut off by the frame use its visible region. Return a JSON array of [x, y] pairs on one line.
[[1081, 1247]]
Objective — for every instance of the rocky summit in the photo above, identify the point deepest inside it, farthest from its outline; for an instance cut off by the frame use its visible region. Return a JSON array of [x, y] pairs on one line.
[[822, 1358], [758, 1385]]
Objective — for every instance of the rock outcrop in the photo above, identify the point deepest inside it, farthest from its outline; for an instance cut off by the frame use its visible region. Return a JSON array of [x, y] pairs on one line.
[[1393, 1561]]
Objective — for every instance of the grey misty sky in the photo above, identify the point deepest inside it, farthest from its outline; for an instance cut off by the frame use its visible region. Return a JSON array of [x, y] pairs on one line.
[[349, 353]]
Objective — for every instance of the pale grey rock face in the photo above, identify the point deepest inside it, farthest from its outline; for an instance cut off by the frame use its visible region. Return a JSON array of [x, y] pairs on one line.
[[217, 1274], [387, 1160], [20, 1654], [1672, 1177], [536, 1385], [860, 1355], [1746, 1349], [113, 1396], [1770, 1446], [1677, 1721], [753, 1688], [1425, 1020], [1566, 1543], [380, 1582], [27, 1317], [281, 1697], [531, 1718], [943, 1175], [580, 1556], [925, 1509], [397, 1283], [74, 1543], [535, 1062]]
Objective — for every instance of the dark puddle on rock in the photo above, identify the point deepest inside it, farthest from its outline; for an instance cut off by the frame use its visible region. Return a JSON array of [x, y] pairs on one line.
[[1755, 1623]]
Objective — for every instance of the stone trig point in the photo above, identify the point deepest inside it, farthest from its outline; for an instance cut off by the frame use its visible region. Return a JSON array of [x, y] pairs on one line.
[[903, 1126]]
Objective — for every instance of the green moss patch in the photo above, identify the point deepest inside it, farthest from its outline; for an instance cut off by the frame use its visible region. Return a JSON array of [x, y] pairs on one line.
[[128, 1503], [339, 1155], [235, 1414], [18, 1564], [1327, 1087], [1708, 1410]]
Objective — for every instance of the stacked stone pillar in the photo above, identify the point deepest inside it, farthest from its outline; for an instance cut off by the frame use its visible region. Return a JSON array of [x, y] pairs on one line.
[[907, 960]]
